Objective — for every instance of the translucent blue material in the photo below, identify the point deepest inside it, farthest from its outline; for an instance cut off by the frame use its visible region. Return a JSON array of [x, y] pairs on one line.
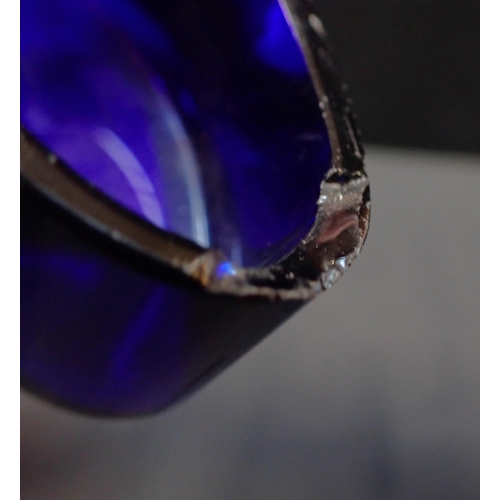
[[199, 116], [113, 342], [106, 332]]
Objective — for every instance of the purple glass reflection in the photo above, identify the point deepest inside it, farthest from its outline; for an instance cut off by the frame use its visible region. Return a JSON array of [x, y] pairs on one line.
[[201, 120]]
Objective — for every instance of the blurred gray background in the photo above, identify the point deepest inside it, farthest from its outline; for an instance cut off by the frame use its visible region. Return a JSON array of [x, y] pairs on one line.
[[370, 392]]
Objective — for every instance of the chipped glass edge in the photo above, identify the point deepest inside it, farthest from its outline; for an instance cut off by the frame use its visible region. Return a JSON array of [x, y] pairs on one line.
[[321, 258]]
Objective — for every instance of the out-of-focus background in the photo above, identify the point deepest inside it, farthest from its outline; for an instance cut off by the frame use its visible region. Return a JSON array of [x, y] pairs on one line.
[[372, 390], [412, 67]]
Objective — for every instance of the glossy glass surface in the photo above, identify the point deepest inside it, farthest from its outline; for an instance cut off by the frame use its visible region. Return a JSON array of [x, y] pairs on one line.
[[199, 116], [106, 332]]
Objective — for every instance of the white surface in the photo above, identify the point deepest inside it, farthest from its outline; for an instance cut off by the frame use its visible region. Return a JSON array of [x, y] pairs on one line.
[[370, 392]]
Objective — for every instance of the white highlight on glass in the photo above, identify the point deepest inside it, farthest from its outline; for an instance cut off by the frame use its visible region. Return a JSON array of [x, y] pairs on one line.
[[134, 172]]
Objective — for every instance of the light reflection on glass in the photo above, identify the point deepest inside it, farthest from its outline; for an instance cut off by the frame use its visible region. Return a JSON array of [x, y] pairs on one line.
[[134, 172], [276, 46]]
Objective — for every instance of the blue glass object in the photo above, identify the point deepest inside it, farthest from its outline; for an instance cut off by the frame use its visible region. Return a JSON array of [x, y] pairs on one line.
[[198, 116], [106, 332]]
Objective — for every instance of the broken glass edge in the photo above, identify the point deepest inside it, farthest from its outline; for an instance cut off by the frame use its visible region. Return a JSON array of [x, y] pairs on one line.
[[312, 267]]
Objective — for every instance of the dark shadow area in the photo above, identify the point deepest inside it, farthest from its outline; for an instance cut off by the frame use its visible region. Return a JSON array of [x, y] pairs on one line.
[[412, 68]]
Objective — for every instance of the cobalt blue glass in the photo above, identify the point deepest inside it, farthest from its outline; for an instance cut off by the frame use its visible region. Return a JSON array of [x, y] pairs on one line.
[[167, 147], [179, 111]]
